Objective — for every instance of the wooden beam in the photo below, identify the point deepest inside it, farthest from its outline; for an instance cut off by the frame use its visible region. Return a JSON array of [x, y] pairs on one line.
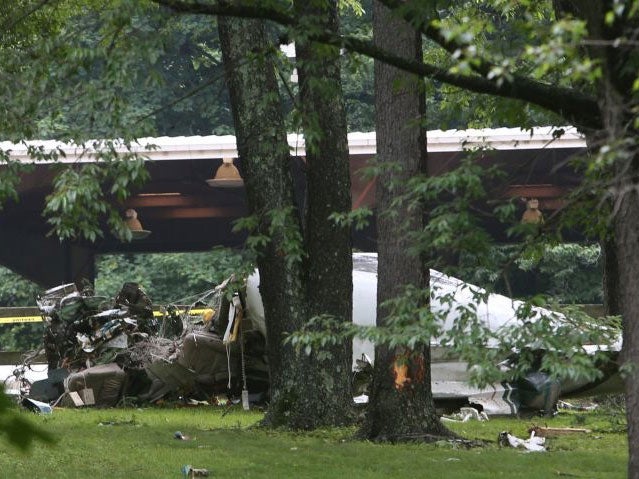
[[162, 201], [194, 213], [535, 191]]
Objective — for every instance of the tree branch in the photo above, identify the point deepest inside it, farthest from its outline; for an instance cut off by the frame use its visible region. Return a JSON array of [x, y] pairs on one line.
[[10, 25], [567, 102], [577, 108], [226, 8]]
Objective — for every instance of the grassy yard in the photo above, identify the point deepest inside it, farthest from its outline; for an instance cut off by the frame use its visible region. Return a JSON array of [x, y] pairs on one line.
[[140, 443]]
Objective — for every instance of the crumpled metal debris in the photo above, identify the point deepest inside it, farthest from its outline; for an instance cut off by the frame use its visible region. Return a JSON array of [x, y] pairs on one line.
[[80, 326], [100, 351], [37, 406]]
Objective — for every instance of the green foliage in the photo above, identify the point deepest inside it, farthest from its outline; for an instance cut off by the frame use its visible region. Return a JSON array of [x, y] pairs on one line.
[[567, 273], [453, 224], [10, 177], [357, 70], [454, 239], [358, 218], [17, 429], [170, 278], [79, 200], [17, 291], [571, 272], [277, 225]]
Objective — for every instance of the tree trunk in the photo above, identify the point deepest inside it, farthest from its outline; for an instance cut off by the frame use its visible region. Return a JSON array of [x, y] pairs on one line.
[[401, 404], [616, 98], [307, 391], [621, 248], [611, 287], [263, 149], [627, 242], [329, 262]]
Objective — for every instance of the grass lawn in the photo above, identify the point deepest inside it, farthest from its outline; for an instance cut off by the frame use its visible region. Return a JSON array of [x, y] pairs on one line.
[[140, 443]]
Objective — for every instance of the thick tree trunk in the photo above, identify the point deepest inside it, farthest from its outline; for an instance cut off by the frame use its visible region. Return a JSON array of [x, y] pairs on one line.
[[616, 100], [329, 261], [621, 248], [621, 253], [401, 404], [611, 286], [307, 391], [627, 242], [263, 149]]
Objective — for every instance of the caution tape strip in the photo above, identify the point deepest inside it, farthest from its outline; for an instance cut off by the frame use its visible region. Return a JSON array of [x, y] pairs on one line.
[[21, 319], [37, 319]]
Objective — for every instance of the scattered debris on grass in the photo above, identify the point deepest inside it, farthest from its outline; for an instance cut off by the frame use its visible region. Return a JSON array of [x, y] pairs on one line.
[[181, 437], [189, 472], [37, 406], [576, 407], [465, 414], [532, 444]]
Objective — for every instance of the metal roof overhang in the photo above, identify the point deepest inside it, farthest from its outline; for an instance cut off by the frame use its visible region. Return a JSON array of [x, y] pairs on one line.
[[207, 147], [185, 214]]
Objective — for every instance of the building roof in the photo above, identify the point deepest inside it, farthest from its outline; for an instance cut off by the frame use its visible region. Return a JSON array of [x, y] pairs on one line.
[[360, 143]]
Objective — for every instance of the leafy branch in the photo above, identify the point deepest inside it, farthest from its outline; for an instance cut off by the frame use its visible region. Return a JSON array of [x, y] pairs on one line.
[[576, 107]]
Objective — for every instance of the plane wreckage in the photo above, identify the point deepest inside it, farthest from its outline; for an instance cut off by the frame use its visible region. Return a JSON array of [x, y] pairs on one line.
[[105, 352], [450, 376]]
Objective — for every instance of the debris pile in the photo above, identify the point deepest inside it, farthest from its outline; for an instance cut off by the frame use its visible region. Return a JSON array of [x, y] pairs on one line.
[[101, 351], [81, 327]]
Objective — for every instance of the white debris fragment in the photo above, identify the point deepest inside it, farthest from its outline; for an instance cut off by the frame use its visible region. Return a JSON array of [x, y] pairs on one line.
[[533, 444], [465, 414]]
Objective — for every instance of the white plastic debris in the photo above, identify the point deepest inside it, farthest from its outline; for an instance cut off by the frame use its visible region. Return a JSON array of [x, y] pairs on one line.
[[465, 414], [533, 443]]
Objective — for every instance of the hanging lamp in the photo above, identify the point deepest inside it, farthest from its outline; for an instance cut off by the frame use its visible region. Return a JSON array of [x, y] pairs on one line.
[[134, 225], [226, 176]]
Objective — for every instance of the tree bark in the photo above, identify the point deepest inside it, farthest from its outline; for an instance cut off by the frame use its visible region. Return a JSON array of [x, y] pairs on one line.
[[626, 249], [329, 262], [611, 286], [401, 404], [307, 391], [627, 241], [263, 149]]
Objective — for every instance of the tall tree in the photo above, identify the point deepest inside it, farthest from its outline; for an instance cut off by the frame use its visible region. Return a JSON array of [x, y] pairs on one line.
[[261, 141], [601, 101], [401, 403], [328, 245], [307, 390]]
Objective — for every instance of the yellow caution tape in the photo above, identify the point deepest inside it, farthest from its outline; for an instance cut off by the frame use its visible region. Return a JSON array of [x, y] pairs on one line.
[[192, 312], [37, 319], [21, 319]]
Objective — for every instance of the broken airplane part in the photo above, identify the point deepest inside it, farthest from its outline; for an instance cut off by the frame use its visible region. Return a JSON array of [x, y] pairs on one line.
[[451, 387], [450, 376], [100, 351]]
